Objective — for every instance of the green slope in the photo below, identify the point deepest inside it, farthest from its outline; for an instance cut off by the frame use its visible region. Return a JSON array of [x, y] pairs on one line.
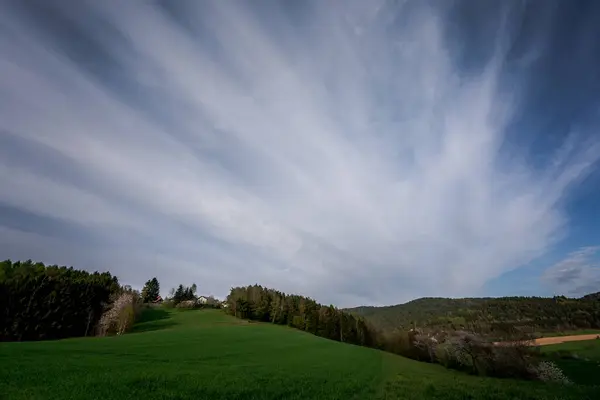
[[208, 355]]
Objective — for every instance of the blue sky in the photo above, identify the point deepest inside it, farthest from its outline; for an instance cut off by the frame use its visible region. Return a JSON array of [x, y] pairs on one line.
[[356, 152]]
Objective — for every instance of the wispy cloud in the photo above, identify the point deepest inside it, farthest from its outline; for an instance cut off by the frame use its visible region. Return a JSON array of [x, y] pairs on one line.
[[577, 274], [337, 151]]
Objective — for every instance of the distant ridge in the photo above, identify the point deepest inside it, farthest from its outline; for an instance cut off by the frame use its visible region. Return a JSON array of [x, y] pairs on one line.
[[547, 314], [592, 296]]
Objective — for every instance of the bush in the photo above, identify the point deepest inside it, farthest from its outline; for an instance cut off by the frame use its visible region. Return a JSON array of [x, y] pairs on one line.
[[548, 371], [119, 318], [470, 352], [187, 304], [425, 347], [168, 303], [513, 361], [446, 356], [514, 357]]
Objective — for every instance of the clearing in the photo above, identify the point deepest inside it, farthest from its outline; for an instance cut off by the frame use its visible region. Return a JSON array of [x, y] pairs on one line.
[[209, 355]]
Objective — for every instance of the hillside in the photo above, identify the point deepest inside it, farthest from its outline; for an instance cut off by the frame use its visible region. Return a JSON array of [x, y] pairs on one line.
[[592, 296], [538, 313], [208, 355]]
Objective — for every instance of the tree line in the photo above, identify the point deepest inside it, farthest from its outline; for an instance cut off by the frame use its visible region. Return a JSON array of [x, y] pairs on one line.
[[44, 302], [268, 305], [183, 293], [535, 314], [470, 349], [151, 293], [51, 302], [272, 306]]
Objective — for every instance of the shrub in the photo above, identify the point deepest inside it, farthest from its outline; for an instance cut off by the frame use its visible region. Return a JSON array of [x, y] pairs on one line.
[[548, 371], [446, 356], [425, 347], [119, 318], [513, 361], [472, 353], [187, 304], [168, 303]]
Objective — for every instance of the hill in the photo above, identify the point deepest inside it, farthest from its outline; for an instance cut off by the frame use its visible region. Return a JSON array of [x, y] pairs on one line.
[[209, 355], [537, 313], [592, 296]]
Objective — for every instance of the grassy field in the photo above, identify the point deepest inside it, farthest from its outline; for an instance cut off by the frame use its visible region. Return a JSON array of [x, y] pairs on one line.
[[579, 360], [208, 355]]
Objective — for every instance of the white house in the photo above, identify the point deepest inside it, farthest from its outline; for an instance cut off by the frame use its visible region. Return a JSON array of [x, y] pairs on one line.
[[202, 299]]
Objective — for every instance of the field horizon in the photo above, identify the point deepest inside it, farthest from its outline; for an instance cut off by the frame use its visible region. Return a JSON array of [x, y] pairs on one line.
[[205, 354]]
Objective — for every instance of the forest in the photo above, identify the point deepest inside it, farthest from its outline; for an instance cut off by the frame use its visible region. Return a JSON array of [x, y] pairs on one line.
[[47, 302], [268, 305], [42, 302], [534, 314]]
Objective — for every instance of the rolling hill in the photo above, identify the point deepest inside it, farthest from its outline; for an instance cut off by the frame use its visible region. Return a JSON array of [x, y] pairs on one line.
[[592, 296], [541, 314], [209, 355]]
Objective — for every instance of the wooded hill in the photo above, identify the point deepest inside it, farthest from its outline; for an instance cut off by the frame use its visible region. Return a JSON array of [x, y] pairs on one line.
[[592, 296], [538, 314]]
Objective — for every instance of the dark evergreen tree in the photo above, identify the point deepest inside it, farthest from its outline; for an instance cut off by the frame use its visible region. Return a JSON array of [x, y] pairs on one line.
[[179, 295], [51, 302], [262, 304], [151, 291]]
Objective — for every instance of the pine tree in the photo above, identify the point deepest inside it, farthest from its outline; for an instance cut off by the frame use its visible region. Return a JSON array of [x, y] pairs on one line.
[[151, 290], [179, 295]]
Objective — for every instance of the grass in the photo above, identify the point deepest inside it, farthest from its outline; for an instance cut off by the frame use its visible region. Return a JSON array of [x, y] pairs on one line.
[[579, 360], [208, 355]]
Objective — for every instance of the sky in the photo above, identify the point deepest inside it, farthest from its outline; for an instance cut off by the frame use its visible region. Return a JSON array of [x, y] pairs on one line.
[[360, 153]]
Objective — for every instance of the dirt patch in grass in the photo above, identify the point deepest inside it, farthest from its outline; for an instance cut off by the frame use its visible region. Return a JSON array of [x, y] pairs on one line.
[[562, 339], [555, 340]]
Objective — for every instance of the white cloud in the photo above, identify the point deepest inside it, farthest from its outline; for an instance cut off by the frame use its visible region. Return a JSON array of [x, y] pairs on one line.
[[345, 160], [577, 274]]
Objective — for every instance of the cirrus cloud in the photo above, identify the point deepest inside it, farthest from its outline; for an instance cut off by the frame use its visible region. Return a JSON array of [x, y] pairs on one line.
[[336, 150], [577, 274]]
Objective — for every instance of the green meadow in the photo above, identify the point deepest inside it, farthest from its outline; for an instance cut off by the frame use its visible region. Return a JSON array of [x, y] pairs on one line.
[[205, 354], [579, 360]]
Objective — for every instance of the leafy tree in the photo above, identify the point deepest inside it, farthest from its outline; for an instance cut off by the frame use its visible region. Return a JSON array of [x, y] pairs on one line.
[[151, 291]]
